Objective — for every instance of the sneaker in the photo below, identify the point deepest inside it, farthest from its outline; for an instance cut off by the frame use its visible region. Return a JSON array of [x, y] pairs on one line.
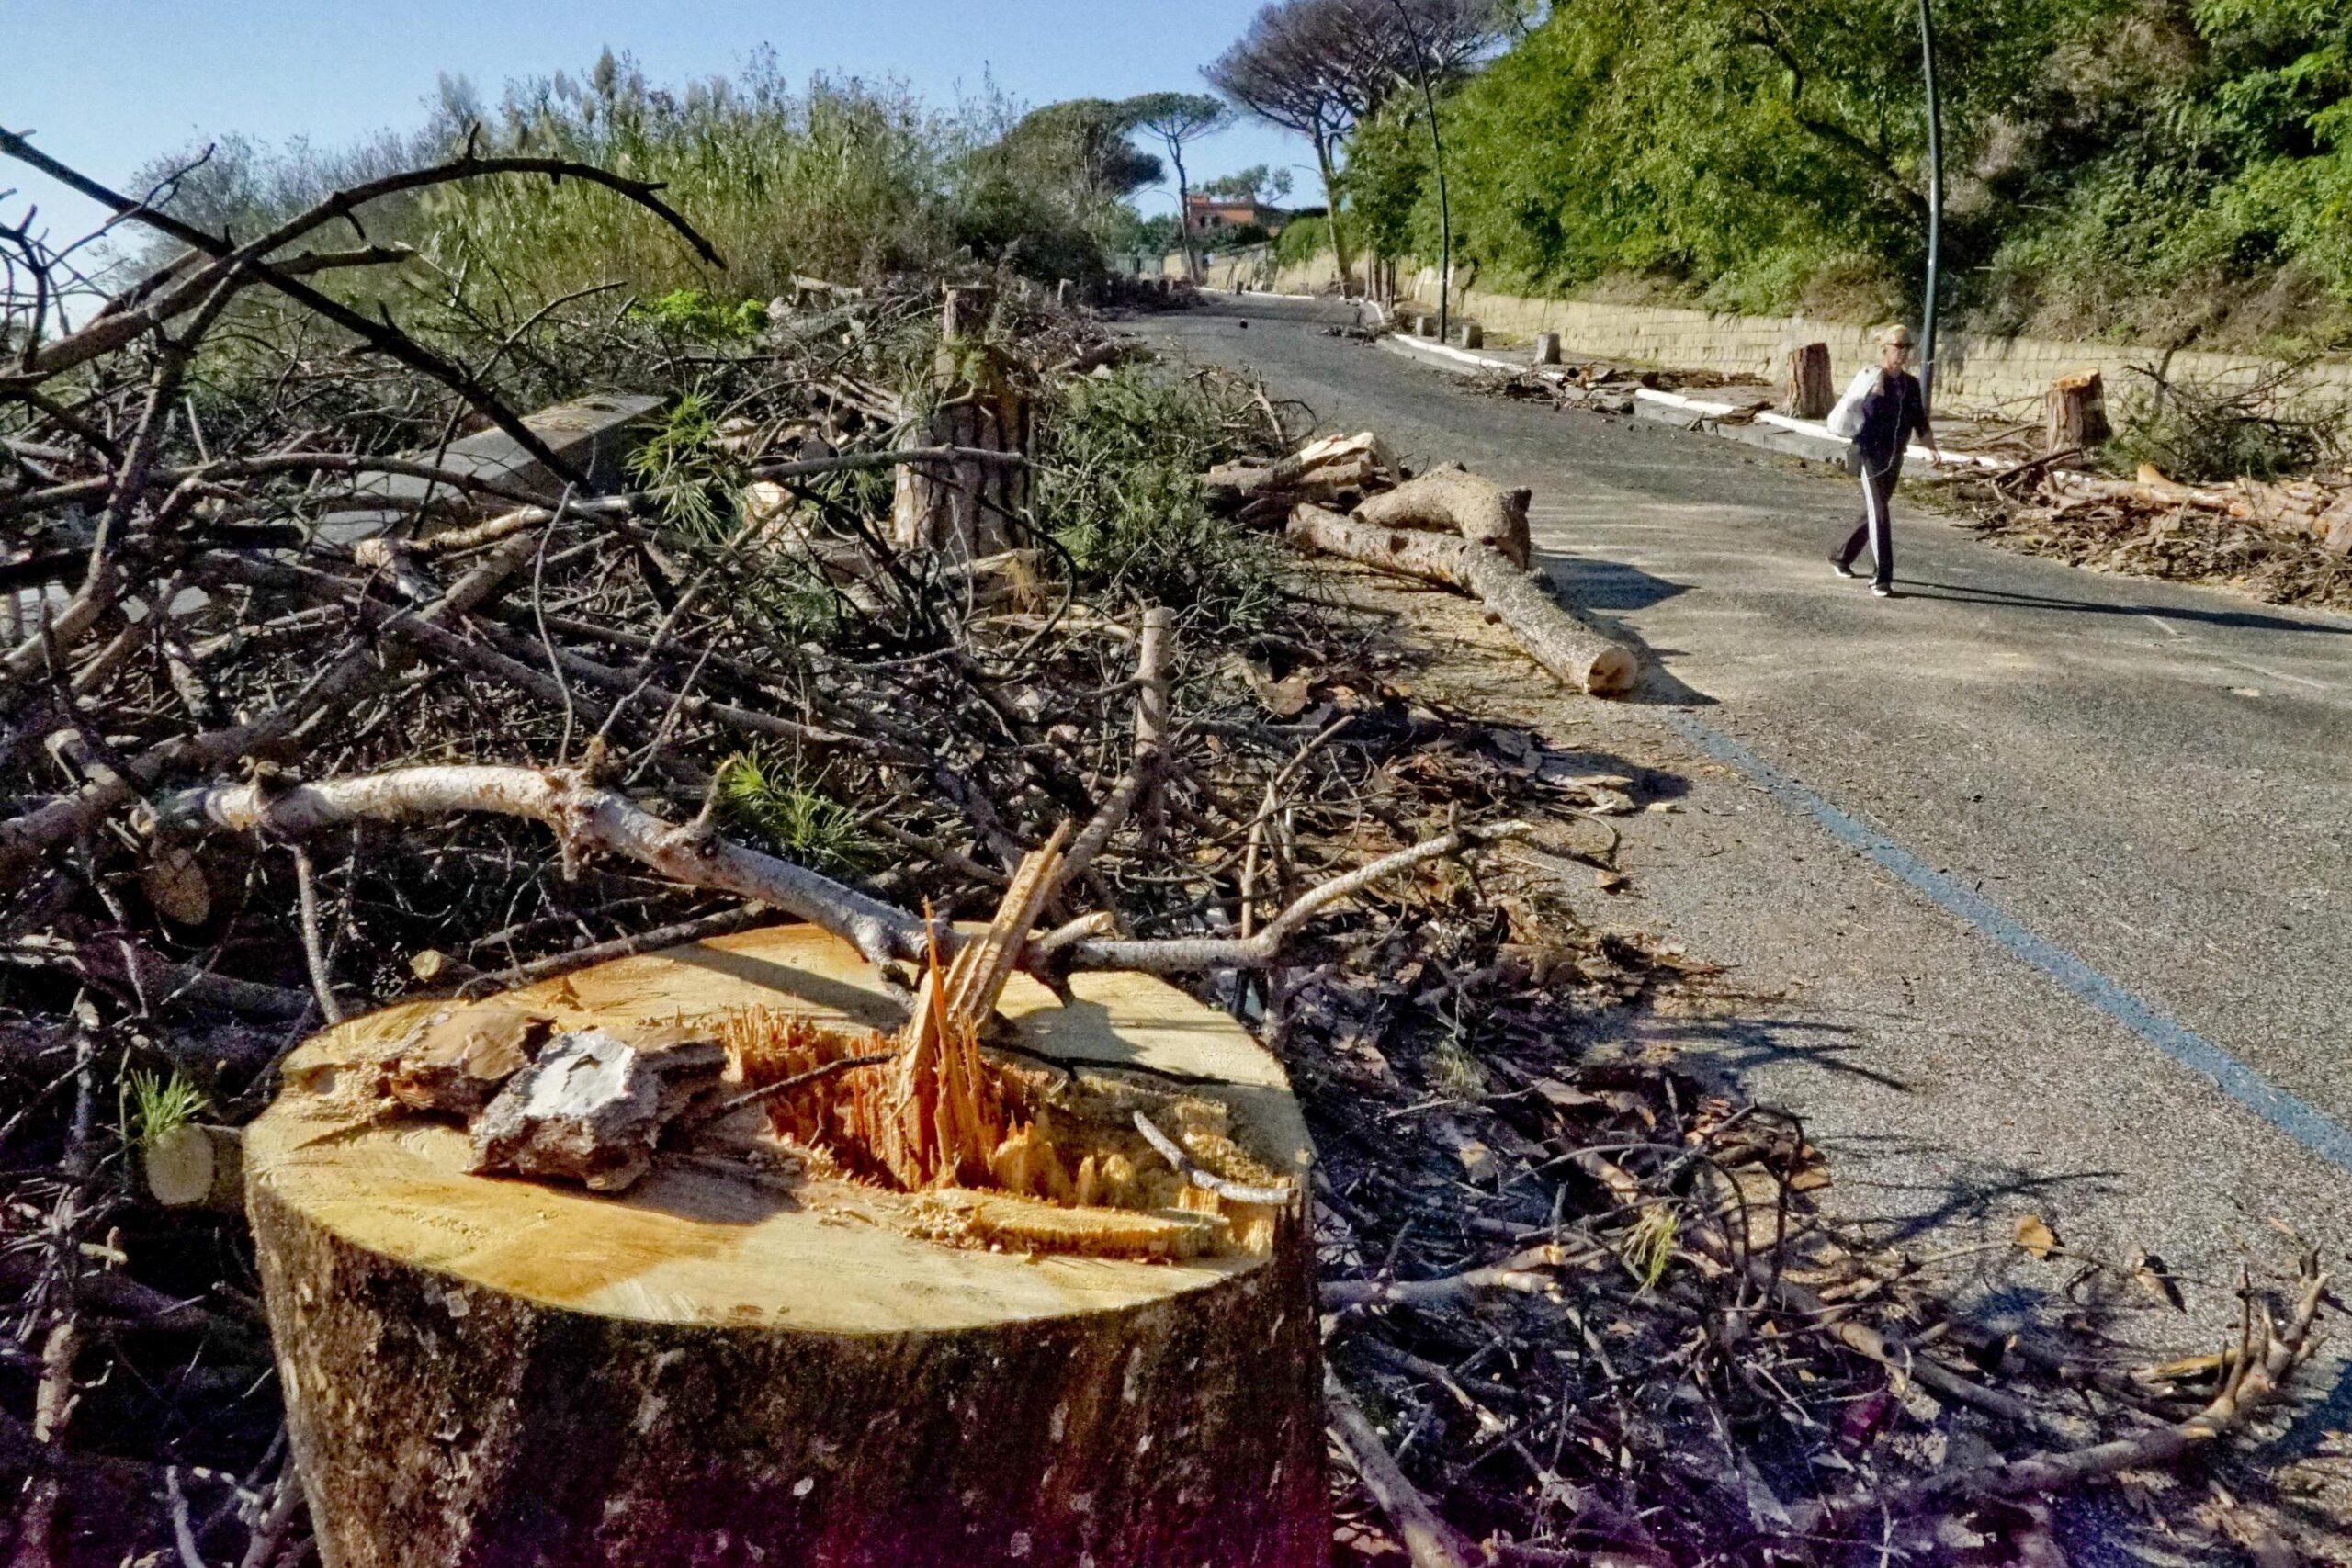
[[1842, 569], [1882, 590]]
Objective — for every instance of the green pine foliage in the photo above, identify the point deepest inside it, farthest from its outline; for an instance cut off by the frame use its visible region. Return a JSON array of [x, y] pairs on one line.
[[1120, 460]]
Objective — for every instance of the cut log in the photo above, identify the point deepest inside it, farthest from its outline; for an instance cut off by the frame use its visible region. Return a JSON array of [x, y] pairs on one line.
[[1323, 470], [1453, 498], [791, 1361], [2077, 414], [1805, 390], [194, 1164], [1577, 653]]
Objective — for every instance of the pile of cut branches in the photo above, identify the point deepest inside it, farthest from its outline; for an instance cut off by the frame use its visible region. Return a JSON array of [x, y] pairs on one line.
[[2289, 542], [285, 739]]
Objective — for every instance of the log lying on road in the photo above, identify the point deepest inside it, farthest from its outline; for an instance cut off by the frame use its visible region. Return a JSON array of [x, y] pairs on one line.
[[1320, 470], [1555, 637], [1456, 500], [816, 1362]]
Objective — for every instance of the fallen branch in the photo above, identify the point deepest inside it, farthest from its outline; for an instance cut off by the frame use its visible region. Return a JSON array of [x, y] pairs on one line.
[[2269, 1356], [1517, 1272], [24, 838], [1553, 637], [1177, 954], [1428, 1540], [582, 815]]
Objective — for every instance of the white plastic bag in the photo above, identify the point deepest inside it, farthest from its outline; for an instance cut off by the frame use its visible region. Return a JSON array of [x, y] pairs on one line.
[[1845, 419]]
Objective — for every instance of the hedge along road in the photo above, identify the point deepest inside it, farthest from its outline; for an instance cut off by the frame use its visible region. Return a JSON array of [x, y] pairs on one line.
[[2050, 869]]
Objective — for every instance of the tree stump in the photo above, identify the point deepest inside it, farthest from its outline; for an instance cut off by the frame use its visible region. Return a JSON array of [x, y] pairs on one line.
[[2077, 414], [958, 507], [739, 1364], [1805, 391]]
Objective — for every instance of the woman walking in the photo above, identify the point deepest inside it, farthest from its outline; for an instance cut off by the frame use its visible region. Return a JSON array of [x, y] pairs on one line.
[[1882, 411]]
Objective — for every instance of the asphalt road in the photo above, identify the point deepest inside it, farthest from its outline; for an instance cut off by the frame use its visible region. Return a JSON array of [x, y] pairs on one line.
[[2042, 878]]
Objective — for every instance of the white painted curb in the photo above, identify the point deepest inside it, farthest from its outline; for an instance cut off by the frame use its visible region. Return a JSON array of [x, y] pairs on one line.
[[1696, 408]]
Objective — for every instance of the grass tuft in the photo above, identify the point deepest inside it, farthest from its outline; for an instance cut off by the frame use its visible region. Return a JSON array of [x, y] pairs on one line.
[[158, 1105]]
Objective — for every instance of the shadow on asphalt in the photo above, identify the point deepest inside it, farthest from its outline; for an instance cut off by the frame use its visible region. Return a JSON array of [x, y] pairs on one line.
[[1601, 591], [1740, 1045], [2236, 620]]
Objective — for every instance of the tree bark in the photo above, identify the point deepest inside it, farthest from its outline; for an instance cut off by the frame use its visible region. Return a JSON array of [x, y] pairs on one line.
[[1806, 389], [718, 1369], [1577, 653], [2077, 414], [1451, 498], [1331, 211]]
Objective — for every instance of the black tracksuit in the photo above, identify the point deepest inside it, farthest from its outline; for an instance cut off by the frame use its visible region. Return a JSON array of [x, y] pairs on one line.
[[1894, 411]]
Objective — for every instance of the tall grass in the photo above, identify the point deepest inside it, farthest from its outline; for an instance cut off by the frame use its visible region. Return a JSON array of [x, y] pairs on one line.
[[843, 180]]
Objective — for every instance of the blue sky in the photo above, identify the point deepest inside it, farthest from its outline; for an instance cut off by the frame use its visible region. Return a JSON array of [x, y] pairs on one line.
[[108, 83]]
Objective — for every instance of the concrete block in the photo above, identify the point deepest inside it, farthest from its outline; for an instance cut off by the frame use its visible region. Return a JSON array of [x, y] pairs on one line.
[[594, 434], [1547, 348], [1472, 335]]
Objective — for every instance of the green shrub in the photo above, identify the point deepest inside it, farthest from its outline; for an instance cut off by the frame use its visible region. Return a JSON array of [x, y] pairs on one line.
[[2198, 432], [1305, 237], [1121, 457], [694, 313]]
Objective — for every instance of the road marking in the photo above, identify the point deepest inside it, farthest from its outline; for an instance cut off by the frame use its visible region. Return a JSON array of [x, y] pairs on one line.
[[2297, 1118]]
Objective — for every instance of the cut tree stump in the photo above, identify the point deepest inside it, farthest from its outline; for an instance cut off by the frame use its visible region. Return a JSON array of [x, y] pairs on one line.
[[737, 1362], [1805, 391], [958, 507], [2077, 414], [1574, 651], [1453, 498]]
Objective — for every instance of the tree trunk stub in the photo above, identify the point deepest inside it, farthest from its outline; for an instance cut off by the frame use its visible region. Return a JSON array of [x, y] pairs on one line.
[[2078, 414], [732, 1363], [1805, 388], [958, 507], [1551, 634]]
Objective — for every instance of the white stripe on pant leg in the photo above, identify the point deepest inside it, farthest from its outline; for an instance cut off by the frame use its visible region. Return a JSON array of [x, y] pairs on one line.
[[1874, 508]]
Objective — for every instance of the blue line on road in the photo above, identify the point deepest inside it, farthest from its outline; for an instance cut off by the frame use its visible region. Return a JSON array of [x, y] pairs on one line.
[[2299, 1119]]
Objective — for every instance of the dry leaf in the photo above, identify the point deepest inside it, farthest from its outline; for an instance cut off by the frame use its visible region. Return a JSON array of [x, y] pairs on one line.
[[2149, 1271], [2037, 1238], [175, 885]]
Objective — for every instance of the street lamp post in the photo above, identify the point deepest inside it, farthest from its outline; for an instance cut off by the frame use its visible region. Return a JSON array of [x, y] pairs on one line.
[[1935, 202]]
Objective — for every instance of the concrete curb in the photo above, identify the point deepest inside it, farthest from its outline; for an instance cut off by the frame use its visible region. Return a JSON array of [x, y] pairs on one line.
[[1806, 438]]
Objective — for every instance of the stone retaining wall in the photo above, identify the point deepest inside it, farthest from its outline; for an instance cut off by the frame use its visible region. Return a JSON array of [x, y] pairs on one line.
[[1977, 371]]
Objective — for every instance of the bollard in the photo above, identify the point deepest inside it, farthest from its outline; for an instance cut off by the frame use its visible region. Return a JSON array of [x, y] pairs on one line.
[[1426, 326], [1547, 348], [1473, 336]]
